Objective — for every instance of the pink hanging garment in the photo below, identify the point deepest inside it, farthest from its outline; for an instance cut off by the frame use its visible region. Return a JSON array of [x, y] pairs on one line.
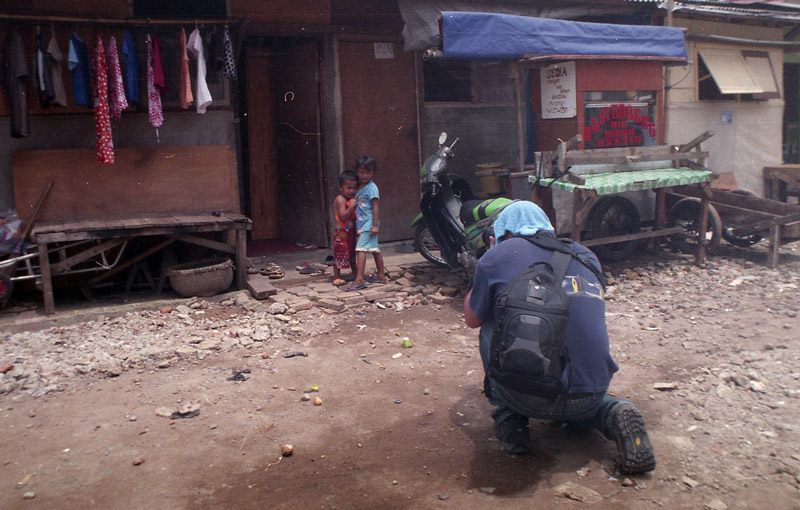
[[186, 81], [117, 102], [102, 122], [153, 94]]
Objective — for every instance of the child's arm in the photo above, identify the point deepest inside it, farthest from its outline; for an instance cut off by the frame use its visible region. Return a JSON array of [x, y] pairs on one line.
[[349, 210], [376, 221], [340, 206]]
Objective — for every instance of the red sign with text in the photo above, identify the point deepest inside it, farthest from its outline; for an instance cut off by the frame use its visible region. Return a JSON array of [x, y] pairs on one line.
[[619, 125]]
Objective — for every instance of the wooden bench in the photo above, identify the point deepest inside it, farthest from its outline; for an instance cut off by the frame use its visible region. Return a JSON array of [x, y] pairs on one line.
[[178, 193]]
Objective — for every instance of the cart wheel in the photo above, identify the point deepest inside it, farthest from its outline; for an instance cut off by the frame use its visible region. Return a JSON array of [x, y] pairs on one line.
[[685, 214], [614, 216], [741, 241], [6, 288], [426, 245]]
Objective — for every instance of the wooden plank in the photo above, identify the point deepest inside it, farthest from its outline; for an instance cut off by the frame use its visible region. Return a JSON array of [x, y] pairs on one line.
[[696, 142], [774, 245], [631, 159], [208, 243], [144, 181], [141, 256], [765, 224], [631, 237], [70, 262]]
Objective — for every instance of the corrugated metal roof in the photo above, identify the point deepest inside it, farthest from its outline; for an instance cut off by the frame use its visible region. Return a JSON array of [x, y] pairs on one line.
[[766, 10]]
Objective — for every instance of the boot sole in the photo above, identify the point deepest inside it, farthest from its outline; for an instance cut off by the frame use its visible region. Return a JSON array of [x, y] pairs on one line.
[[633, 443]]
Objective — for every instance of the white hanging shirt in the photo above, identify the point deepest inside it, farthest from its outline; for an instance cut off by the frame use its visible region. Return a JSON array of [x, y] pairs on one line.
[[56, 57], [195, 49]]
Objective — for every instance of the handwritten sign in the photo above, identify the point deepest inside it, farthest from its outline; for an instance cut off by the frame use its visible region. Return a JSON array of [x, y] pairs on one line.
[[558, 91]]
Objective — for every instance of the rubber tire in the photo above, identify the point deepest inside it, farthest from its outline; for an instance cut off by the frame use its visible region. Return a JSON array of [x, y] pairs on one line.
[[687, 210], [618, 251], [6, 288], [742, 241], [419, 245]]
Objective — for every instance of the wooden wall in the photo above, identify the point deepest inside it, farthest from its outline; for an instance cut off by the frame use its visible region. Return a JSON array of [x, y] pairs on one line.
[[142, 182]]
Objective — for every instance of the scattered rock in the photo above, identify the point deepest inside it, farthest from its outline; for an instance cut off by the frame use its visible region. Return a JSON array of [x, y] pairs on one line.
[[138, 461], [715, 504], [287, 450], [29, 495], [576, 492]]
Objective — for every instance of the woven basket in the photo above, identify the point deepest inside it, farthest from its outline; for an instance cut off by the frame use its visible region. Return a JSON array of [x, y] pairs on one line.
[[202, 277]]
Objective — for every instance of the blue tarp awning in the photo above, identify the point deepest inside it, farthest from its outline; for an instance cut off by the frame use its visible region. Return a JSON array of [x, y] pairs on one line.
[[481, 35]]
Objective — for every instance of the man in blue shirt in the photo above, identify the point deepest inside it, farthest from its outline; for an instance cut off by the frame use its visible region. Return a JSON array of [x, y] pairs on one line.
[[589, 366]]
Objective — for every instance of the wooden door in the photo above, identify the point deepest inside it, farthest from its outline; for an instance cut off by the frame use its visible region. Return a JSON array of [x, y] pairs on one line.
[[379, 118], [260, 142], [295, 89]]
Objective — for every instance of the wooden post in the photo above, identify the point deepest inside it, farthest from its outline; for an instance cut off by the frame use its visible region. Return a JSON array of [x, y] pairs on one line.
[[660, 215], [700, 258], [518, 88], [241, 258], [47, 281], [577, 223], [774, 245]]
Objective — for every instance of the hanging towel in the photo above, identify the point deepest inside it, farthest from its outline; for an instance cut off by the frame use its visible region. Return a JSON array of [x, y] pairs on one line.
[[131, 60], [15, 77], [55, 58], [186, 82], [195, 47], [230, 63], [44, 83], [78, 63], [116, 92], [153, 94], [102, 122]]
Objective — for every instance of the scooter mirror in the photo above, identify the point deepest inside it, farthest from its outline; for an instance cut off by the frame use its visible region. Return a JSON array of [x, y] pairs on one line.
[[442, 138]]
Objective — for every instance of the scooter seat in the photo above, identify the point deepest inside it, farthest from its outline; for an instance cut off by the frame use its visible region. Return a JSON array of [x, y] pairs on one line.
[[467, 214]]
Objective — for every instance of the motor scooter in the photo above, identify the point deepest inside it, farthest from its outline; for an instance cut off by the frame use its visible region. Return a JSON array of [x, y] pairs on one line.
[[452, 229]]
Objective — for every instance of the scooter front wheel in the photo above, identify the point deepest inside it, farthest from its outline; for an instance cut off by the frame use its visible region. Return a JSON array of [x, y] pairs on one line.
[[427, 246]]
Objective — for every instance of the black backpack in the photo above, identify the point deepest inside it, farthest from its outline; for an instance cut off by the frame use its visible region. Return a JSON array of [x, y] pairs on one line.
[[528, 347]]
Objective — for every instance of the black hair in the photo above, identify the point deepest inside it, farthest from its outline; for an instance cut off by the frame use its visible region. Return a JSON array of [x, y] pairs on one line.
[[347, 175], [368, 162]]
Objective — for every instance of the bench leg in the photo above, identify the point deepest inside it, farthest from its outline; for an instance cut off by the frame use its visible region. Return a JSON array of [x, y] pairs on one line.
[[47, 281], [774, 245], [702, 231], [241, 258]]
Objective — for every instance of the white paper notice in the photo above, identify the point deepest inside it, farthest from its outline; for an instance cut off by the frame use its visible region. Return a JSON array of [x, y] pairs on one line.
[[384, 50], [558, 91]]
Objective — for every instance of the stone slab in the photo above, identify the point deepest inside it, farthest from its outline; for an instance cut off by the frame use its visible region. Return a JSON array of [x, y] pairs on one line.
[[260, 286]]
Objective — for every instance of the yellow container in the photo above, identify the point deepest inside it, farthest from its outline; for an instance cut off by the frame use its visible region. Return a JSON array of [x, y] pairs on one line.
[[489, 184]]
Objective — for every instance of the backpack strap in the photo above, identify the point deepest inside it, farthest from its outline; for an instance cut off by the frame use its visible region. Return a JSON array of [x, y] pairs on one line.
[[557, 245]]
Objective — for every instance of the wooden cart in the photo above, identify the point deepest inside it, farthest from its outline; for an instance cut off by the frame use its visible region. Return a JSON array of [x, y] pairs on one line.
[[740, 218], [601, 217]]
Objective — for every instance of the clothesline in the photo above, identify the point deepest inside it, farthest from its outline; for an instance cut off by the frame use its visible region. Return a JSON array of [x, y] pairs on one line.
[[124, 22]]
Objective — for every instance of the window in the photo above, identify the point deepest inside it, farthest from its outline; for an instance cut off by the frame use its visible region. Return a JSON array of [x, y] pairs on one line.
[[619, 119], [726, 73], [460, 81]]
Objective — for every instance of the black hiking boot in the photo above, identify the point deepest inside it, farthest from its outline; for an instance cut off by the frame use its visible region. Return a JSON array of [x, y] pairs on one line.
[[513, 434], [635, 451]]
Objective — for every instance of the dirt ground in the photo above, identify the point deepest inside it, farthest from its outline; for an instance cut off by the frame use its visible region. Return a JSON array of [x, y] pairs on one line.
[[410, 428]]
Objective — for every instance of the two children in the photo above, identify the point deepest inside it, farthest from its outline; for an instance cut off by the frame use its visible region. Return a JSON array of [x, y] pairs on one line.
[[367, 225]]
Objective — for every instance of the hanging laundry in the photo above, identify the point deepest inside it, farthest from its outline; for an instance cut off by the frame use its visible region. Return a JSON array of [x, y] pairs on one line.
[[44, 83], [102, 122], [153, 94], [214, 49], [116, 92], [78, 63], [55, 57], [131, 60], [159, 79], [185, 91], [15, 77], [229, 70], [195, 47]]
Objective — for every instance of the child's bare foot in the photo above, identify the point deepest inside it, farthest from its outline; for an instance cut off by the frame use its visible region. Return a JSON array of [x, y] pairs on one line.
[[338, 282]]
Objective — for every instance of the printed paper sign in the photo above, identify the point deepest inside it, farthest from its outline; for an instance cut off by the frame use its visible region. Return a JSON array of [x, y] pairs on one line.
[[558, 91]]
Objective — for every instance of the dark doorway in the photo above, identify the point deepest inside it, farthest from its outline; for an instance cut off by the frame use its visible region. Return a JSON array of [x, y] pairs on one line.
[[287, 200]]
